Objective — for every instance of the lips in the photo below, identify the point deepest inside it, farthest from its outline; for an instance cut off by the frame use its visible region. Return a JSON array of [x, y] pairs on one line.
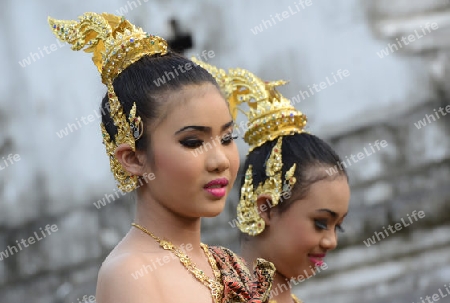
[[217, 187], [217, 183], [316, 259]]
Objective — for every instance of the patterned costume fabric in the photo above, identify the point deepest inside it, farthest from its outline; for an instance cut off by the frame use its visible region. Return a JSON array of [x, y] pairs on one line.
[[240, 285]]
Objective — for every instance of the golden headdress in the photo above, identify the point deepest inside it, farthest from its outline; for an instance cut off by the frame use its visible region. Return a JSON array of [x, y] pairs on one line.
[[270, 116], [115, 44]]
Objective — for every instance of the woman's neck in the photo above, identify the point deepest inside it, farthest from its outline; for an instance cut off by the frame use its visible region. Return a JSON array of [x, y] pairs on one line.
[[167, 225], [281, 289]]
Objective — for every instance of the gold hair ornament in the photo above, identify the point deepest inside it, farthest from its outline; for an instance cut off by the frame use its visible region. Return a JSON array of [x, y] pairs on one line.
[[248, 214], [270, 116], [115, 44]]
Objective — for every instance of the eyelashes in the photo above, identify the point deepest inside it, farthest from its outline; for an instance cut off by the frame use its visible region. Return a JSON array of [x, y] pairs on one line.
[[228, 138], [193, 142], [323, 225]]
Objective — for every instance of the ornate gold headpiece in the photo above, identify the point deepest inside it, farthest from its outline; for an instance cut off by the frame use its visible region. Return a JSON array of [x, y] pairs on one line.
[[115, 44], [270, 116], [249, 220]]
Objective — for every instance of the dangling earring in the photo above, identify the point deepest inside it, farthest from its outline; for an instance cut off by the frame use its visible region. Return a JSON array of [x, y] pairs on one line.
[[137, 127]]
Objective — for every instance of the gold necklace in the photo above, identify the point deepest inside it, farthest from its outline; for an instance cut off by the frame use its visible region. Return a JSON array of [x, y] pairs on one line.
[[296, 300], [215, 285]]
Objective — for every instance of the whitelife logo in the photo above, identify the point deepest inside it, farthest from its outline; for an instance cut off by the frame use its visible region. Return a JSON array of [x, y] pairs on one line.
[[265, 24], [391, 48], [10, 160], [38, 236], [398, 226]]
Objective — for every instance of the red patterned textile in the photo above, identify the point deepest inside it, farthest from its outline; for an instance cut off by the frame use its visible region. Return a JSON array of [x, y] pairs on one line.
[[239, 284]]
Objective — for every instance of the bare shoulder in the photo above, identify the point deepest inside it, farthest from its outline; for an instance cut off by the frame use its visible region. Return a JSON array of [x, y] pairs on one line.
[[121, 279]]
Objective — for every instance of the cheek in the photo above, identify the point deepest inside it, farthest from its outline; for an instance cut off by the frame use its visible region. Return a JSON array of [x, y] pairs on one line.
[[176, 164], [299, 235]]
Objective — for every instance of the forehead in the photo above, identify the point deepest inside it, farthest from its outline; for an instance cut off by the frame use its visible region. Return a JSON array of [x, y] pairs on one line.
[[196, 105], [331, 194]]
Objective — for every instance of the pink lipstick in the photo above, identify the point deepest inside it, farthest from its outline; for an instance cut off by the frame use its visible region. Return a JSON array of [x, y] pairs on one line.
[[217, 187], [316, 259]]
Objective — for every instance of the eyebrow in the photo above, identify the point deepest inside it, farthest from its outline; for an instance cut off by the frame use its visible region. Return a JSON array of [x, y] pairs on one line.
[[332, 213], [205, 129]]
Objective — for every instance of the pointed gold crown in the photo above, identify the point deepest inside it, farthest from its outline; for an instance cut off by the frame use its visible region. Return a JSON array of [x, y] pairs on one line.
[[270, 114], [115, 44]]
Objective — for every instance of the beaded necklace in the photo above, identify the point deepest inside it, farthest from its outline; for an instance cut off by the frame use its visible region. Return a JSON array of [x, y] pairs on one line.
[[215, 285]]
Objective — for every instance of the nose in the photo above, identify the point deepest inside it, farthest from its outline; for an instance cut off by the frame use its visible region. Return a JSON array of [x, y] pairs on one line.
[[217, 160], [329, 240]]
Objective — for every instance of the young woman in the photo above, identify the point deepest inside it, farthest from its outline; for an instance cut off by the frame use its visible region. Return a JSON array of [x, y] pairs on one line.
[[297, 228], [161, 107], [292, 202]]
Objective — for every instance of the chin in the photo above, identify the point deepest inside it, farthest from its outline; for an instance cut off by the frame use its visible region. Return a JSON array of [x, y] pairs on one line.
[[212, 213], [305, 272], [213, 210]]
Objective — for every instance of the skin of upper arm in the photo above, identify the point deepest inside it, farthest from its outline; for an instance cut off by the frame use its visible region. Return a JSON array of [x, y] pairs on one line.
[[116, 283]]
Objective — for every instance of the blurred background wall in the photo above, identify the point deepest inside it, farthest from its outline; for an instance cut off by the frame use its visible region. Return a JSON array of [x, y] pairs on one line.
[[392, 58]]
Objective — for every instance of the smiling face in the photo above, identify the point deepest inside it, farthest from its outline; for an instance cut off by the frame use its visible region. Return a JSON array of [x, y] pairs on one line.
[[297, 240], [193, 156]]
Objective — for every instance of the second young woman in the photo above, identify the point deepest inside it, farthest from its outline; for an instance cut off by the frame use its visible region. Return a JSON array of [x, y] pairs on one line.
[[293, 199]]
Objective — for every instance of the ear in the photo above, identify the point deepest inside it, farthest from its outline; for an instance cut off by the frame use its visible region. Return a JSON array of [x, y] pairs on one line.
[[132, 161], [264, 204]]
